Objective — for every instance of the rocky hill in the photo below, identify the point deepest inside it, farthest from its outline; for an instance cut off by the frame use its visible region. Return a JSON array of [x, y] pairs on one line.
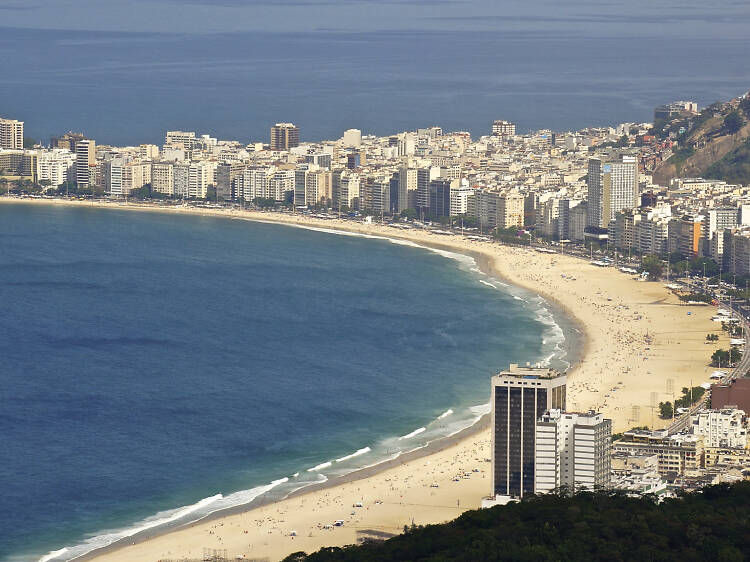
[[714, 144]]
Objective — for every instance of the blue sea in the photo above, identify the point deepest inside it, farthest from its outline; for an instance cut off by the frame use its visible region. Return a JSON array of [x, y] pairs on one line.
[[156, 368], [124, 72]]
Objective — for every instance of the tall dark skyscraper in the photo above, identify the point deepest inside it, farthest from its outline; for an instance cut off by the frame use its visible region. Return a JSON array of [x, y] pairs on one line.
[[440, 197], [520, 396]]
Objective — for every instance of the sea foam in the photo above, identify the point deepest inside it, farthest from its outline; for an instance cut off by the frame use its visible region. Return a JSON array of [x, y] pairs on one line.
[[414, 433], [355, 454]]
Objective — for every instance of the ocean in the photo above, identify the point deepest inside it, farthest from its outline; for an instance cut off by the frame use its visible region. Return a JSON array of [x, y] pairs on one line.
[[157, 368], [539, 71]]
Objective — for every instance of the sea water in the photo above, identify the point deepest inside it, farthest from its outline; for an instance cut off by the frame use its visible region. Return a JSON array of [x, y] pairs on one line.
[[157, 368]]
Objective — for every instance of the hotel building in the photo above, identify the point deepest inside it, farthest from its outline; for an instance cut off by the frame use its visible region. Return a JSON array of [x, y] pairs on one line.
[[520, 396]]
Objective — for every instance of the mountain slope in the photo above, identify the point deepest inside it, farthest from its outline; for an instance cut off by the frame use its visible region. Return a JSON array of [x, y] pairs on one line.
[[720, 130]]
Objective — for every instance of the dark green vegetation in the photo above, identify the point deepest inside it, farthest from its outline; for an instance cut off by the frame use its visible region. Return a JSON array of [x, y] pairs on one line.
[[688, 398], [724, 358], [734, 167], [666, 411], [512, 235], [713, 524]]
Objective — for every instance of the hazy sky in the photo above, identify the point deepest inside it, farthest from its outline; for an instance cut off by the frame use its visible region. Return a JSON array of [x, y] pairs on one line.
[[681, 19]]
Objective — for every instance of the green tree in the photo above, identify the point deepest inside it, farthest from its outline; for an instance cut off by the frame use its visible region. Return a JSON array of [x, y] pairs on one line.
[[652, 265], [665, 410], [733, 122], [264, 202]]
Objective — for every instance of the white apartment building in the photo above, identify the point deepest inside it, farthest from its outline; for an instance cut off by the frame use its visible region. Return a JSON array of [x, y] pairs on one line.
[[460, 200], [200, 176], [721, 428], [11, 134], [349, 190], [715, 221], [162, 177], [56, 165], [510, 210], [85, 161], [572, 450], [612, 187], [253, 182], [280, 183], [122, 177]]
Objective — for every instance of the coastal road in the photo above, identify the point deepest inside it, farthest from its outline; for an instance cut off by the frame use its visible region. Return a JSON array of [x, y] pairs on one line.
[[740, 312]]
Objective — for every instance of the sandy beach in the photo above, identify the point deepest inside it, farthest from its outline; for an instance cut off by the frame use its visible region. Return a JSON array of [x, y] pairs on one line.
[[638, 337]]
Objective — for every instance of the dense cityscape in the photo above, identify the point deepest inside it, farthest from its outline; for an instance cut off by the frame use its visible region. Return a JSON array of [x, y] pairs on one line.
[[601, 194]]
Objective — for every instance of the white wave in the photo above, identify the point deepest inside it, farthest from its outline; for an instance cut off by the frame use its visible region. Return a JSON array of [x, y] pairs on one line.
[[52, 555], [295, 475], [414, 433], [200, 509], [519, 298], [483, 282], [480, 409], [445, 414], [245, 496], [355, 454], [321, 466]]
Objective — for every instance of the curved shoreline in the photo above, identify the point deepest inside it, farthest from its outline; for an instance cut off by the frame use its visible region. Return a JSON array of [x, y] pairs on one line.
[[483, 262], [487, 258]]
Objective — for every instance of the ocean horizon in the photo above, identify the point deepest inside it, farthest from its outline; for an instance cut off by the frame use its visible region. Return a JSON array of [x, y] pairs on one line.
[[128, 88], [132, 421]]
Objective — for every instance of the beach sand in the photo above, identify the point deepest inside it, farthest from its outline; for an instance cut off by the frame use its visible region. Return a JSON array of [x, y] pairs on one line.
[[638, 338]]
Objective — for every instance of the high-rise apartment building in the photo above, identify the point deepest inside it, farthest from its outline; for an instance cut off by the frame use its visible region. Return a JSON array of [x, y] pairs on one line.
[[520, 396], [11, 134], [503, 128], [349, 190], [284, 136], [612, 187], [460, 200], [407, 188], [162, 177], [85, 160], [510, 210], [572, 451]]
